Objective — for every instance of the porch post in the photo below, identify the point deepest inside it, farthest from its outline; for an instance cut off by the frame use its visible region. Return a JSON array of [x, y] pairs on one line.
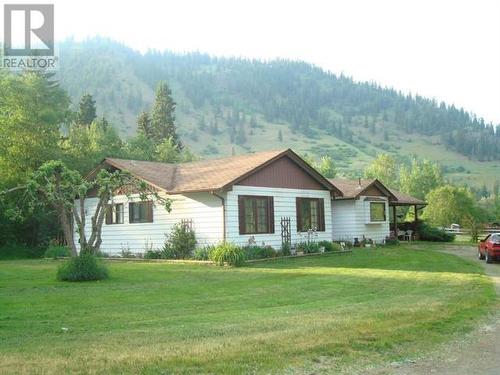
[[415, 223], [395, 220]]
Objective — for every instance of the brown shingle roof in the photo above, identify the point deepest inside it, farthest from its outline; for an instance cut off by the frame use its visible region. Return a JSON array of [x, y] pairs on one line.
[[206, 175], [405, 199], [353, 188]]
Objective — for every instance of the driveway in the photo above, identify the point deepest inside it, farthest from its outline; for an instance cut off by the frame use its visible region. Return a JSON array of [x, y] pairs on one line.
[[477, 353]]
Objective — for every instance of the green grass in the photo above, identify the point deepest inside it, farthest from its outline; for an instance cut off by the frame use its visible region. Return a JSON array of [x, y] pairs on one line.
[[286, 315]]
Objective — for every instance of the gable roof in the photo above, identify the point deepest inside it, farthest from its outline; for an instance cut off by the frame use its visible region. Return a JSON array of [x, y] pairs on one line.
[[208, 175], [352, 189]]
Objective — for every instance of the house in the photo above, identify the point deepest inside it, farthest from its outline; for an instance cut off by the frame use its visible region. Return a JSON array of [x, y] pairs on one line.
[[239, 199], [263, 198]]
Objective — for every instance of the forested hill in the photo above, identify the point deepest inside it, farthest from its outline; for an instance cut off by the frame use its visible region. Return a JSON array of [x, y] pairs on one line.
[[235, 101]]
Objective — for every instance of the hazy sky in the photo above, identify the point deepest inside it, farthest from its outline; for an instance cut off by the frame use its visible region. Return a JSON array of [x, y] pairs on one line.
[[448, 50]]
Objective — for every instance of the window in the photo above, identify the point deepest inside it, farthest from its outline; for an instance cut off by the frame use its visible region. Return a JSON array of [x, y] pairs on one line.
[[377, 211], [140, 212], [310, 214], [255, 214], [114, 214]]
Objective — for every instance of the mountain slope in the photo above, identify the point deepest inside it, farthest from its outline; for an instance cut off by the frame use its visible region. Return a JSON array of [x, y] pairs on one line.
[[251, 105]]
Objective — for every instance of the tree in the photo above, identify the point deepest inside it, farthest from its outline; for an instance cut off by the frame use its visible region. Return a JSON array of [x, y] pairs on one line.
[[87, 110], [85, 146], [32, 109], [327, 167], [420, 178], [144, 125], [64, 190], [449, 204], [163, 116], [384, 169]]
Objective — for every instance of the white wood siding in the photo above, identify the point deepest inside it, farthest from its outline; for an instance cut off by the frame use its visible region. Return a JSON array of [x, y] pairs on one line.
[[350, 219], [284, 206], [203, 208]]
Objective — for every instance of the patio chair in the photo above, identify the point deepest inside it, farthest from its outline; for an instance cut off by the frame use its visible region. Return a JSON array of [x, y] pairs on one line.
[[408, 235]]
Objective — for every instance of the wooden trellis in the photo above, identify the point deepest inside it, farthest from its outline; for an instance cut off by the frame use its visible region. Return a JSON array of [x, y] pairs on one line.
[[286, 237]]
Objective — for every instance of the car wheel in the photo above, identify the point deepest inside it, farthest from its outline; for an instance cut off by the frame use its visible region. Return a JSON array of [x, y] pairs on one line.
[[489, 259], [480, 256]]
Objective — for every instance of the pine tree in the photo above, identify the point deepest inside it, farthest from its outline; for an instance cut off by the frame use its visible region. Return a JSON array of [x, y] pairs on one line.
[[144, 126], [87, 110], [241, 137], [163, 116]]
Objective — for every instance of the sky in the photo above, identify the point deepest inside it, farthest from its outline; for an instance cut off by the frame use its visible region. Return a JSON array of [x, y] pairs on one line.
[[447, 50]]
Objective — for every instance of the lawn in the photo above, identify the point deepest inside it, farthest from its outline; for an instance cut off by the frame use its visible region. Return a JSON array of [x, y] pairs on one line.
[[317, 313]]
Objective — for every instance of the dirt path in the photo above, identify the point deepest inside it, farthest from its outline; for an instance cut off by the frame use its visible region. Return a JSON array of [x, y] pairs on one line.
[[477, 353]]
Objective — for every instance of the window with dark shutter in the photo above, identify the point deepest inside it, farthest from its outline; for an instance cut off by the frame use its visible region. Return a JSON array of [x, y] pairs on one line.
[[310, 214], [114, 214], [140, 212], [255, 214]]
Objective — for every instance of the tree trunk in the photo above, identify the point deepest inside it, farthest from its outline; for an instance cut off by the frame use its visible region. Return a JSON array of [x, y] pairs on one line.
[[68, 232]]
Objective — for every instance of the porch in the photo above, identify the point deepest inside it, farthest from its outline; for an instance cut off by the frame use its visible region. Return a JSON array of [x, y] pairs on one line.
[[405, 206]]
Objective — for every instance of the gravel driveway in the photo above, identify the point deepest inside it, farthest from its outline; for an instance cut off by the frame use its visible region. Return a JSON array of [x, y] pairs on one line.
[[477, 353]]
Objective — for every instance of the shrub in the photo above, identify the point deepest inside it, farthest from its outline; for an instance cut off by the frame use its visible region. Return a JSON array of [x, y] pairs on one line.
[[259, 252], [182, 241], [203, 253], [391, 241], [227, 253], [153, 254], [57, 252], [286, 249], [308, 248], [168, 252], [330, 246], [430, 233], [85, 267], [19, 251]]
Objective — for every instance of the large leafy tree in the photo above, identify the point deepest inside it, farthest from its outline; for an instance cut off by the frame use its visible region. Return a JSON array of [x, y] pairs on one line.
[[420, 178], [32, 109], [64, 190], [327, 167], [163, 116], [87, 112], [450, 204], [85, 146], [385, 169]]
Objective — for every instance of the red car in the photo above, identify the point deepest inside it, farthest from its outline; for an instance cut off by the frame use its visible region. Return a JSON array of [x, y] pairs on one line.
[[489, 248]]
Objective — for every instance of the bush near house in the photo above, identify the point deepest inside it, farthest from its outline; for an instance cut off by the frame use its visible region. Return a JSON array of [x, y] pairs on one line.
[[57, 251], [308, 247], [181, 242], [20, 251], [259, 252], [203, 253], [228, 253], [430, 233], [330, 246]]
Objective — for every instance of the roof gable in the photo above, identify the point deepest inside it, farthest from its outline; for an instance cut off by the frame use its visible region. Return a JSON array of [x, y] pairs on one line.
[[353, 189], [282, 173]]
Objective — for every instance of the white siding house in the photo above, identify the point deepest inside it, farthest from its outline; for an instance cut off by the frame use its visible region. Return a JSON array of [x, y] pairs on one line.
[[243, 200], [351, 219]]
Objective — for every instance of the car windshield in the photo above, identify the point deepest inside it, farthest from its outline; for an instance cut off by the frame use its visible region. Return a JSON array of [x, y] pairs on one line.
[[495, 238]]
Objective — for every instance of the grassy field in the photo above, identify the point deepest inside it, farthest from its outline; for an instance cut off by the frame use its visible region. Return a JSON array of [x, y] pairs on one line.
[[318, 313]]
